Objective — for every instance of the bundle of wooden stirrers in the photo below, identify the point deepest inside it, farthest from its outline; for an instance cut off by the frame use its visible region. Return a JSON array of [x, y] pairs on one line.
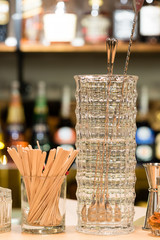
[[43, 180]]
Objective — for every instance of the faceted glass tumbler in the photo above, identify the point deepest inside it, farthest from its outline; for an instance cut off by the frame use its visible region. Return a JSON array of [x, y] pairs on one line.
[[43, 204], [105, 129], [5, 209]]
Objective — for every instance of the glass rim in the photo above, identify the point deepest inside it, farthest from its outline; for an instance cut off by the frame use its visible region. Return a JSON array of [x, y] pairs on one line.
[[151, 164], [104, 75], [44, 177]]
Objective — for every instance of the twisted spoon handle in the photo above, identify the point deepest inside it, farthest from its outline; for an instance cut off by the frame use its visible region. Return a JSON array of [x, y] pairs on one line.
[[129, 46], [111, 45], [137, 4]]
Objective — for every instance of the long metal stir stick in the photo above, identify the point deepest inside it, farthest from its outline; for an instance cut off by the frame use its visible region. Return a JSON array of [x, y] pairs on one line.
[[137, 4]]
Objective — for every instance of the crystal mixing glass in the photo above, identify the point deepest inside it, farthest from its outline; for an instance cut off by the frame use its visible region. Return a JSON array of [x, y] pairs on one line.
[[106, 126]]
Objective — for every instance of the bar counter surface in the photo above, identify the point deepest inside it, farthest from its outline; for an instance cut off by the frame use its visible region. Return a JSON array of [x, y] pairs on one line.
[[71, 233]]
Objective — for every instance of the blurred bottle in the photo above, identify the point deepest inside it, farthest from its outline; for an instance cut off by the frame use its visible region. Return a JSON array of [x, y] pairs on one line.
[[11, 39], [144, 135], [15, 119], [155, 123], [79, 39], [3, 159], [149, 26], [123, 16], [59, 23], [32, 20], [40, 129], [157, 137], [65, 135], [15, 134], [4, 19], [96, 23]]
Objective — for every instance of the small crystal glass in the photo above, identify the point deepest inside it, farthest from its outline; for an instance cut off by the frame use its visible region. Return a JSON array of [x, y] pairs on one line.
[[43, 206], [5, 209], [105, 130]]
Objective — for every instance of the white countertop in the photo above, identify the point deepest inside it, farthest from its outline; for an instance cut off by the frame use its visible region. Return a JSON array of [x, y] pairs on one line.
[[71, 233]]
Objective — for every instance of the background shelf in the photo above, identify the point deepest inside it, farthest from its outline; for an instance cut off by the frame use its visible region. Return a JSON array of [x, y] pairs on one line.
[[64, 48], [122, 47], [5, 48]]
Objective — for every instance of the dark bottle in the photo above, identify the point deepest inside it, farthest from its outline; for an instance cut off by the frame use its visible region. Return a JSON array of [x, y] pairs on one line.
[[156, 126], [15, 129], [157, 137], [3, 159], [65, 135], [4, 19], [123, 16], [149, 22], [40, 129], [144, 135], [15, 135], [32, 12], [96, 23]]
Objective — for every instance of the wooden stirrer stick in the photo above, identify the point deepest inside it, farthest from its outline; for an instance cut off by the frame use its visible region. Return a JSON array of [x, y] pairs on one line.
[[38, 145], [16, 158]]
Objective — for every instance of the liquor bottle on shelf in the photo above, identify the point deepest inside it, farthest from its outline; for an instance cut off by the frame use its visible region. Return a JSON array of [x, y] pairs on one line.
[[65, 135], [14, 134], [2, 146], [96, 23], [79, 39], [59, 23], [123, 16], [145, 136], [149, 22], [4, 19], [40, 129], [32, 20], [15, 129], [155, 123], [11, 39], [157, 136]]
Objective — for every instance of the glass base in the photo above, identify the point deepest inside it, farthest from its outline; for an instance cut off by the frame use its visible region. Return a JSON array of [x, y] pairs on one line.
[[5, 228], [105, 230], [42, 230], [146, 229], [155, 232]]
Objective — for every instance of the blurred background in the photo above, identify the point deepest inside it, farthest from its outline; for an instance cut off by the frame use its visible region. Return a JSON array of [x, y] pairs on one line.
[[43, 44]]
